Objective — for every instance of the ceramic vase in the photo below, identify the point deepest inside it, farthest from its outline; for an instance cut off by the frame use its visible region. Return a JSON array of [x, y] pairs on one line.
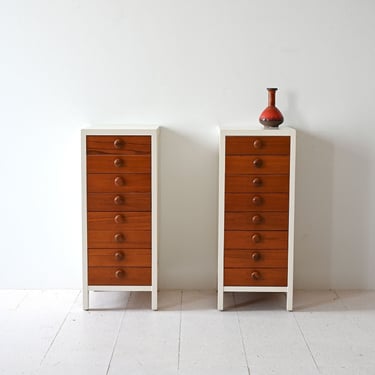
[[271, 117]]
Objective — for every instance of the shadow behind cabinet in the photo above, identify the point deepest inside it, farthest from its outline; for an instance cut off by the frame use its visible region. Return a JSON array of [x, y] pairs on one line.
[[256, 212], [119, 204]]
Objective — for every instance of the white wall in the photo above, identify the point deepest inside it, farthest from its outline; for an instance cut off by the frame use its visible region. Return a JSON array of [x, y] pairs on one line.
[[189, 66]]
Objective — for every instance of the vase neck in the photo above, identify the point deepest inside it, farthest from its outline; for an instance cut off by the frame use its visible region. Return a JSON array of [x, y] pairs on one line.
[[271, 97]]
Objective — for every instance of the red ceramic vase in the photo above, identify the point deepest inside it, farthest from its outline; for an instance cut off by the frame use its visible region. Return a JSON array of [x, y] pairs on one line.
[[271, 117]]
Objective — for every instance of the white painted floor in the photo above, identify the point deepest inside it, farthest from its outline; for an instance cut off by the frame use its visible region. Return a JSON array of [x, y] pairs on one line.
[[47, 332]]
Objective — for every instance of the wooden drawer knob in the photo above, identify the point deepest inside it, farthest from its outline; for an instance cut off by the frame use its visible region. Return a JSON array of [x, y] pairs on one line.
[[118, 143], [120, 274], [119, 255], [118, 199], [256, 238], [257, 163], [118, 219], [118, 163], [256, 219], [257, 181], [257, 200], [119, 181], [257, 144], [255, 257], [119, 237], [255, 275]]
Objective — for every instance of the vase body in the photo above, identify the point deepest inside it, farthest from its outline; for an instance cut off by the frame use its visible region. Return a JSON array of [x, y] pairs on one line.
[[271, 117]]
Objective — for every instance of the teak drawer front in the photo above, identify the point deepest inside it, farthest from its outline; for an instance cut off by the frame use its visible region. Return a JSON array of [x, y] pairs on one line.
[[121, 145], [137, 239], [120, 257], [119, 164], [118, 221], [256, 202], [256, 220], [255, 277], [237, 239], [119, 276], [244, 145], [119, 183], [255, 183], [256, 258], [278, 164], [118, 202]]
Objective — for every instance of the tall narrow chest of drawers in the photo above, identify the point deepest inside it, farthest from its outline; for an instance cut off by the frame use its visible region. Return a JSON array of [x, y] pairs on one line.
[[119, 201], [256, 212]]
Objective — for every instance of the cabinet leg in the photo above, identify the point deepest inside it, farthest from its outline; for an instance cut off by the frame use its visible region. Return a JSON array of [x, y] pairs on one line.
[[85, 295], [289, 301], [220, 300], [154, 299]]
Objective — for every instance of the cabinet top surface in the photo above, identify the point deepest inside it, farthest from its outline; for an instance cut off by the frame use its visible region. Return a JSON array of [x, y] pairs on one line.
[[120, 129], [285, 130]]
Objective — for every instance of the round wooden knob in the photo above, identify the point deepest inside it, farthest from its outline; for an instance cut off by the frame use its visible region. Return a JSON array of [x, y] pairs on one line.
[[256, 219], [256, 238], [256, 200], [257, 163], [118, 143], [255, 257], [118, 163], [118, 199], [255, 275], [258, 144], [119, 181], [120, 274], [119, 237], [119, 219], [257, 181], [119, 255]]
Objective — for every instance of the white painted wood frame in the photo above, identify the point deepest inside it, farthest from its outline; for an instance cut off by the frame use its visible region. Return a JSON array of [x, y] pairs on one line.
[[153, 288], [284, 131]]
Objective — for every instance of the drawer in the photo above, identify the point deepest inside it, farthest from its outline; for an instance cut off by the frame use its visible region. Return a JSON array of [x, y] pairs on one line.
[[278, 164], [118, 221], [117, 183], [244, 145], [255, 183], [119, 202], [256, 220], [119, 276], [137, 239], [237, 239], [257, 202], [255, 277], [256, 258], [119, 257], [122, 145], [119, 163]]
